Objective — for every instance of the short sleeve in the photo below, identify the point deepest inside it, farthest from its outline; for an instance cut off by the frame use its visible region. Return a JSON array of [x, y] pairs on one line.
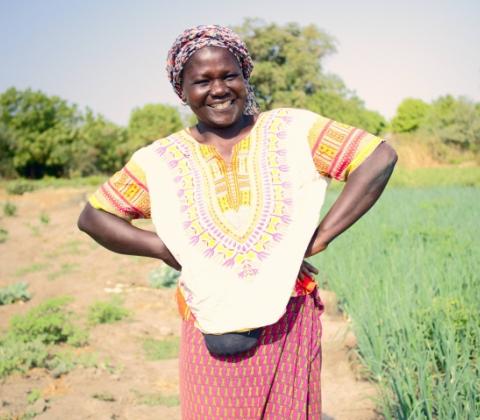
[[125, 194], [338, 149]]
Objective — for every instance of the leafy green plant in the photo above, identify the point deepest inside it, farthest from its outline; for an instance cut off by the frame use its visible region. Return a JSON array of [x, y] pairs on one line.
[[14, 293], [102, 312], [50, 323], [166, 348], [9, 209], [18, 356], [163, 277]]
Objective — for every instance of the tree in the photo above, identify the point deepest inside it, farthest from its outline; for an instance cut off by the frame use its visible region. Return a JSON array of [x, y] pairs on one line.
[[102, 146], [44, 129], [455, 121], [150, 123], [347, 109], [410, 116], [287, 61]]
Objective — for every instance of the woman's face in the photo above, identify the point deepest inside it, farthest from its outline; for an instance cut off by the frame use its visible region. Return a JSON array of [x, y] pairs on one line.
[[214, 87]]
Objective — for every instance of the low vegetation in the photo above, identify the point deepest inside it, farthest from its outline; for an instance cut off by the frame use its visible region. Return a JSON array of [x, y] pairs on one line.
[[407, 275], [166, 348], [106, 312], [163, 277], [30, 339], [14, 293]]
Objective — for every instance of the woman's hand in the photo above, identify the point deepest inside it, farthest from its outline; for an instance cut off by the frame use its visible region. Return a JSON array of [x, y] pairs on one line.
[[307, 270], [120, 236]]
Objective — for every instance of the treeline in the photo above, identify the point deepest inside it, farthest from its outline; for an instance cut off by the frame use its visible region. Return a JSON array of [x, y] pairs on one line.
[[43, 135]]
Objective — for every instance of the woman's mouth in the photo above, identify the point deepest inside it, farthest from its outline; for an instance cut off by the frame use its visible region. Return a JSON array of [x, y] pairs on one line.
[[221, 105]]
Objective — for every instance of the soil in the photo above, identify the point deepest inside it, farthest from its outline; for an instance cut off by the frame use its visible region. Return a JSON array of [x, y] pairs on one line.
[[45, 249]]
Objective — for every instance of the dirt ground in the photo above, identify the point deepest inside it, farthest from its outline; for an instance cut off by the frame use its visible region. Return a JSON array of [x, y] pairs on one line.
[[55, 259]]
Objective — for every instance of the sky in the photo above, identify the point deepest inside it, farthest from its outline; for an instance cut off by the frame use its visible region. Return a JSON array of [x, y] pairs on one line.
[[110, 55]]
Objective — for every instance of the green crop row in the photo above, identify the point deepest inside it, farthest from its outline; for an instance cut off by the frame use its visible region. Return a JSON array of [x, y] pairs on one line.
[[408, 276]]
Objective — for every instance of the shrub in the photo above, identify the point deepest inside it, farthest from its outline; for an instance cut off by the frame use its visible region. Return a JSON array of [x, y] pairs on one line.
[[18, 356], [20, 187], [9, 209], [107, 312], [163, 277], [14, 293]]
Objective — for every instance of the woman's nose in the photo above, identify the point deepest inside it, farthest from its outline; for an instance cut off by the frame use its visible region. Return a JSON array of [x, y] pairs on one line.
[[218, 88]]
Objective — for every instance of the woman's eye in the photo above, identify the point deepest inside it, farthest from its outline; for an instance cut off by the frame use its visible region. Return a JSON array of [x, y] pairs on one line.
[[231, 76], [200, 82]]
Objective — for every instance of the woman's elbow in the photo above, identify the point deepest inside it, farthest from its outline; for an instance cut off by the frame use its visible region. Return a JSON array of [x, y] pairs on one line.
[[84, 220]]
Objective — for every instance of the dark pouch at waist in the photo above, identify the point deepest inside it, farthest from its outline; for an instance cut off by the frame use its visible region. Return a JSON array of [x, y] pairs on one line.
[[232, 343]]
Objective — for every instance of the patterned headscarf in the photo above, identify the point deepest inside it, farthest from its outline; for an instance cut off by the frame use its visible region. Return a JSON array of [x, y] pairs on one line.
[[193, 39]]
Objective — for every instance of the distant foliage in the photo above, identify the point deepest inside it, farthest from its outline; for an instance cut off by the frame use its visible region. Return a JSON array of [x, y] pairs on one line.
[[150, 123], [449, 125], [45, 136]]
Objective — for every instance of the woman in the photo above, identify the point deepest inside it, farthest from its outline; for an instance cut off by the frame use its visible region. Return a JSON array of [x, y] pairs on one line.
[[235, 202]]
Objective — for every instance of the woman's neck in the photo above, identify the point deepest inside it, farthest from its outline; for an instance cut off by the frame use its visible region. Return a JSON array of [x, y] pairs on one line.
[[211, 135]]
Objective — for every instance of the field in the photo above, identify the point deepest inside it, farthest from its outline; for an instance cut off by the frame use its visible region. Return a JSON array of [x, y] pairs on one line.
[[406, 278], [110, 351]]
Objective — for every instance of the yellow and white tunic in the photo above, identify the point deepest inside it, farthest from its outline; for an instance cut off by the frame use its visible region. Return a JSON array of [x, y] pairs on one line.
[[239, 230]]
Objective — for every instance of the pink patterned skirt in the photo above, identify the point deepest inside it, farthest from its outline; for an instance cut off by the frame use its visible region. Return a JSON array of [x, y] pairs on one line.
[[279, 379]]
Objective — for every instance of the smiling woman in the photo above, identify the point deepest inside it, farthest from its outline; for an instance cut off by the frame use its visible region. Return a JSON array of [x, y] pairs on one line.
[[235, 200]]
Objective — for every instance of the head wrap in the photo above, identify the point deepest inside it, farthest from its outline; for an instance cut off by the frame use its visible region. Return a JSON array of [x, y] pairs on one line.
[[193, 39]]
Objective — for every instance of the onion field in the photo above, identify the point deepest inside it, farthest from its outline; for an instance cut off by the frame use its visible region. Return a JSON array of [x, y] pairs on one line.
[[408, 277]]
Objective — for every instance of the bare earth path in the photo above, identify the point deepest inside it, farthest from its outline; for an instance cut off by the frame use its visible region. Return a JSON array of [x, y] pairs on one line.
[[56, 260]]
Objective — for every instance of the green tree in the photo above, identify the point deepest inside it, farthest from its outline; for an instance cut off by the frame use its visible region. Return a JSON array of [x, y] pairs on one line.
[[287, 61], [456, 122], [152, 122], [44, 128], [102, 146], [347, 109], [410, 116], [7, 151]]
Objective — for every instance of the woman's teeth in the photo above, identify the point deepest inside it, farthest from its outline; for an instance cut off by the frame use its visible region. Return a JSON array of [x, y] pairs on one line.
[[222, 105]]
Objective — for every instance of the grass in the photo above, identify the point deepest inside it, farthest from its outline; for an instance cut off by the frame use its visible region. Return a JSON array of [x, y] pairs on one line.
[[21, 186], [65, 268], [157, 398], [33, 395], [32, 268], [3, 235], [407, 275], [107, 312], [161, 349], [14, 293]]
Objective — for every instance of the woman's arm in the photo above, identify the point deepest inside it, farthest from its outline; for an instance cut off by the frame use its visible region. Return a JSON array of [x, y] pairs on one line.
[[361, 191], [118, 235]]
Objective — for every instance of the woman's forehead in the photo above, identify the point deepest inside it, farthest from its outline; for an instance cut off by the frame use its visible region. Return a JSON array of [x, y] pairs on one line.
[[207, 57]]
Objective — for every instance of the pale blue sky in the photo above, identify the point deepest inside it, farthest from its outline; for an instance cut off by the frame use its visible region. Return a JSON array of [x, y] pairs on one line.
[[110, 55]]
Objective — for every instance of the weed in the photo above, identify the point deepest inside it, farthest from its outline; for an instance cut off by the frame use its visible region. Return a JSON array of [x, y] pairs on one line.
[[49, 323], [163, 277], [3, 235], [20, 187], [32, 268], [44, 218], [161, 349], [14, 293], [157, 398], [33, 395], [65, 268], [104, 396], [65, 361], [102, 312], [18, 356], [9, 209]]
